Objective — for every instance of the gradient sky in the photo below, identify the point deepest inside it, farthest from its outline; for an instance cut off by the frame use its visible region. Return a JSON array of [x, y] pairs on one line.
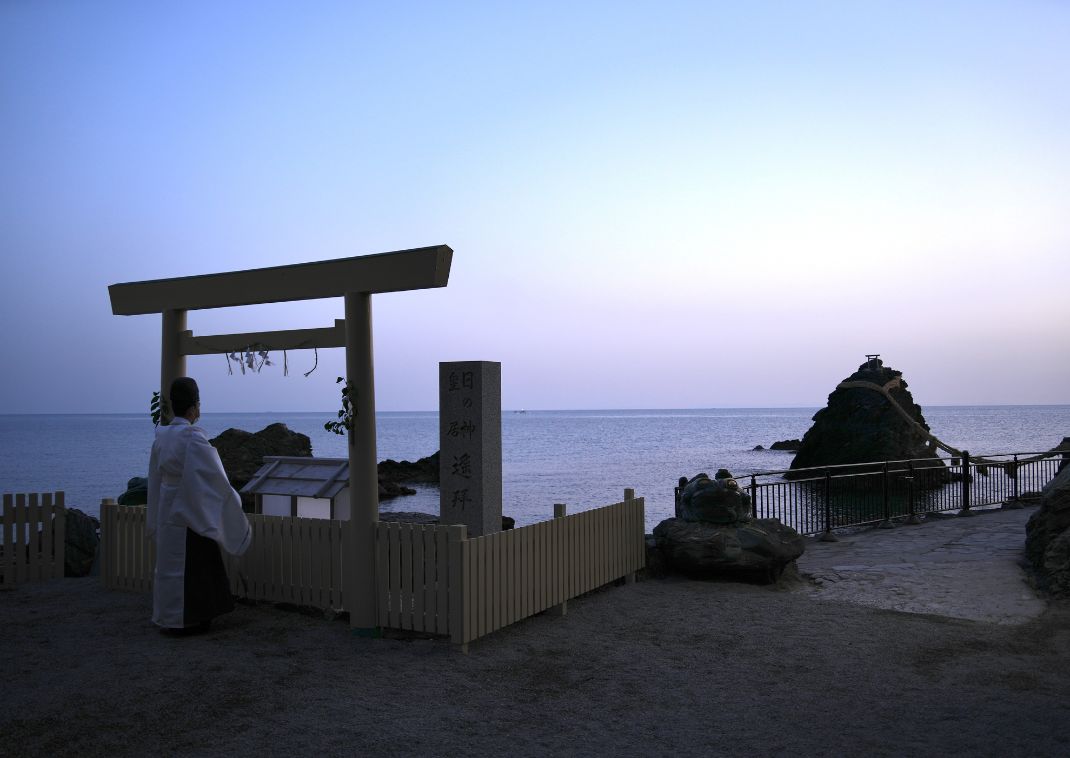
[[651, 204]]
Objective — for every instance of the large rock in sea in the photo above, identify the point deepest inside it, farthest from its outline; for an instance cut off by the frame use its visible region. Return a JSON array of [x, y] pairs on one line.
[[243, 452], [424, 470], [860, 424], [1047, 537], [715, 535]]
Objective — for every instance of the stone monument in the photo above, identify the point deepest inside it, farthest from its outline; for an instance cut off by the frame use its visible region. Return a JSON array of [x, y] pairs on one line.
[[470, 445]]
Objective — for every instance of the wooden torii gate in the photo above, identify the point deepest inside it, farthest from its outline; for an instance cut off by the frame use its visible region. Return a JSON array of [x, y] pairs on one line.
[[356, 279]]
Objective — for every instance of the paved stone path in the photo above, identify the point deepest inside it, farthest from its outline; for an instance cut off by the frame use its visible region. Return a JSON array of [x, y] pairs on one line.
[[967, 568]]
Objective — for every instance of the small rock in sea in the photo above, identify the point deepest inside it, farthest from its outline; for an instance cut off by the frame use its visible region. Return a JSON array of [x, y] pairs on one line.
[[790, 445], [757, 447]]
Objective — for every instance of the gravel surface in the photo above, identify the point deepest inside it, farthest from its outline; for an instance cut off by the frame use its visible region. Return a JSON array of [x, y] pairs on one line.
[[659, 667]]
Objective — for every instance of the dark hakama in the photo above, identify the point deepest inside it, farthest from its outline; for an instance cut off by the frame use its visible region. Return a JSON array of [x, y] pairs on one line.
[[205, 587]]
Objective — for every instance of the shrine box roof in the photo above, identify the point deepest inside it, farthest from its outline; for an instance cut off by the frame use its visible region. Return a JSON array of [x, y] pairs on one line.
[[299, 476]]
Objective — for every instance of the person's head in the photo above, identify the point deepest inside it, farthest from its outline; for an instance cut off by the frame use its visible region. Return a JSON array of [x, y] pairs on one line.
[[185, 398]]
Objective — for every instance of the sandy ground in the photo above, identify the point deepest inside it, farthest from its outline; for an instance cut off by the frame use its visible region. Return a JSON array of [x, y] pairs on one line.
[[660, 667]]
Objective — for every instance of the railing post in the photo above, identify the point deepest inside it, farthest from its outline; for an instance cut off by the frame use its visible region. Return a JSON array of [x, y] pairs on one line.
[[965, 484], [886, 516], [912, 518], [629, 494], [1014, 483], [828, 536], [753, 496], [560, 511]]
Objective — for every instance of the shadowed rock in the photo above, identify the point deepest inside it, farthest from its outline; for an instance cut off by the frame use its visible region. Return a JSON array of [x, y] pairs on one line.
[[80, 543], [713, 534], [1047, 541], [424, 470], [859, 425]]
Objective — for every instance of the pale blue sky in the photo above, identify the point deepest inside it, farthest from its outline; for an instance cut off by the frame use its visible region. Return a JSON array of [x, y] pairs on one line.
[[651, 204]]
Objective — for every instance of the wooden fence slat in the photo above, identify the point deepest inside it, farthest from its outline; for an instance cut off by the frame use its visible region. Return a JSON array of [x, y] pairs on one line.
[[419, 578], [407, 575], [316, 562], [498, 597], [514, 572], [34, 518], [474, 586], [430, 592], [382, 570], [18, 547], [395, 576], [444, 578], [456, 562], [341, 530], [59, 531], [47, 566], [7, 569]]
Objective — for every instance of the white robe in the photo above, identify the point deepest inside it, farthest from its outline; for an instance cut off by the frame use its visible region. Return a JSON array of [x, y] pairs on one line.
[[188, 488]]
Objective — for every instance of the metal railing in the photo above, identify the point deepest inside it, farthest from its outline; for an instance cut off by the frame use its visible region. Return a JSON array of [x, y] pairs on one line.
[[824, 499]]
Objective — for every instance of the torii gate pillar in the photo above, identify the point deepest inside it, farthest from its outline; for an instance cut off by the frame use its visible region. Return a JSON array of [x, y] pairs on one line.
[[363, 474], [172, 360]]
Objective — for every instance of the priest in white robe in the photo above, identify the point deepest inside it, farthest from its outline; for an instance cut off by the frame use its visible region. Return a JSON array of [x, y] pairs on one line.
[[192, 513]]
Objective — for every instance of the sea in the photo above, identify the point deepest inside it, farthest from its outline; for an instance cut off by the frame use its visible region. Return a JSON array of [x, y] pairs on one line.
[[584, 459]]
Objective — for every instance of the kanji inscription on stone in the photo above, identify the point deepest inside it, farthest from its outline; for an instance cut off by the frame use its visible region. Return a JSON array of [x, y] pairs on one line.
[[470, 441]]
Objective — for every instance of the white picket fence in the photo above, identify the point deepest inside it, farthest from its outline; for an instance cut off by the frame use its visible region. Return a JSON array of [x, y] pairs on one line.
[[434, 579], [431, 578], [34, 530], [290, 560]]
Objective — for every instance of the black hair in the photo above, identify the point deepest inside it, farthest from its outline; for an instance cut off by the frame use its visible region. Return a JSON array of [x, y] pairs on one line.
[[184, 395]]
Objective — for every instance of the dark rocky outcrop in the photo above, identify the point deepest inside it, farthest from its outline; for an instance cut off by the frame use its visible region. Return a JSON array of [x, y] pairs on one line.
[[389, 490], [790, 445], [1047, 541], [757, 447], [424, 470], [80, 544], [243, 452], [859, 424], [137, 492], [715, 535]]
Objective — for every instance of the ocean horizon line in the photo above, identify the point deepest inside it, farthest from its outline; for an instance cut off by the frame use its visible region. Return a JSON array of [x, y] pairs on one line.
[[333, 411]]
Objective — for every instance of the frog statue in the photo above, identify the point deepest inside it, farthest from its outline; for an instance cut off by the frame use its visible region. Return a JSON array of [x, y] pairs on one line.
[[716, 501], [714, 533]]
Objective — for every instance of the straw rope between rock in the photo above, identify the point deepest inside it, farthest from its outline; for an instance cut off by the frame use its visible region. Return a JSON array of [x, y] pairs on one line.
[[895, 383]]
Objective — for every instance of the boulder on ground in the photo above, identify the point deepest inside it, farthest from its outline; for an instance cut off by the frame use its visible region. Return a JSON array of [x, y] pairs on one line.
[[757, 549], [80, 544], [1047, 541], [714, 534], [860, 424]]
